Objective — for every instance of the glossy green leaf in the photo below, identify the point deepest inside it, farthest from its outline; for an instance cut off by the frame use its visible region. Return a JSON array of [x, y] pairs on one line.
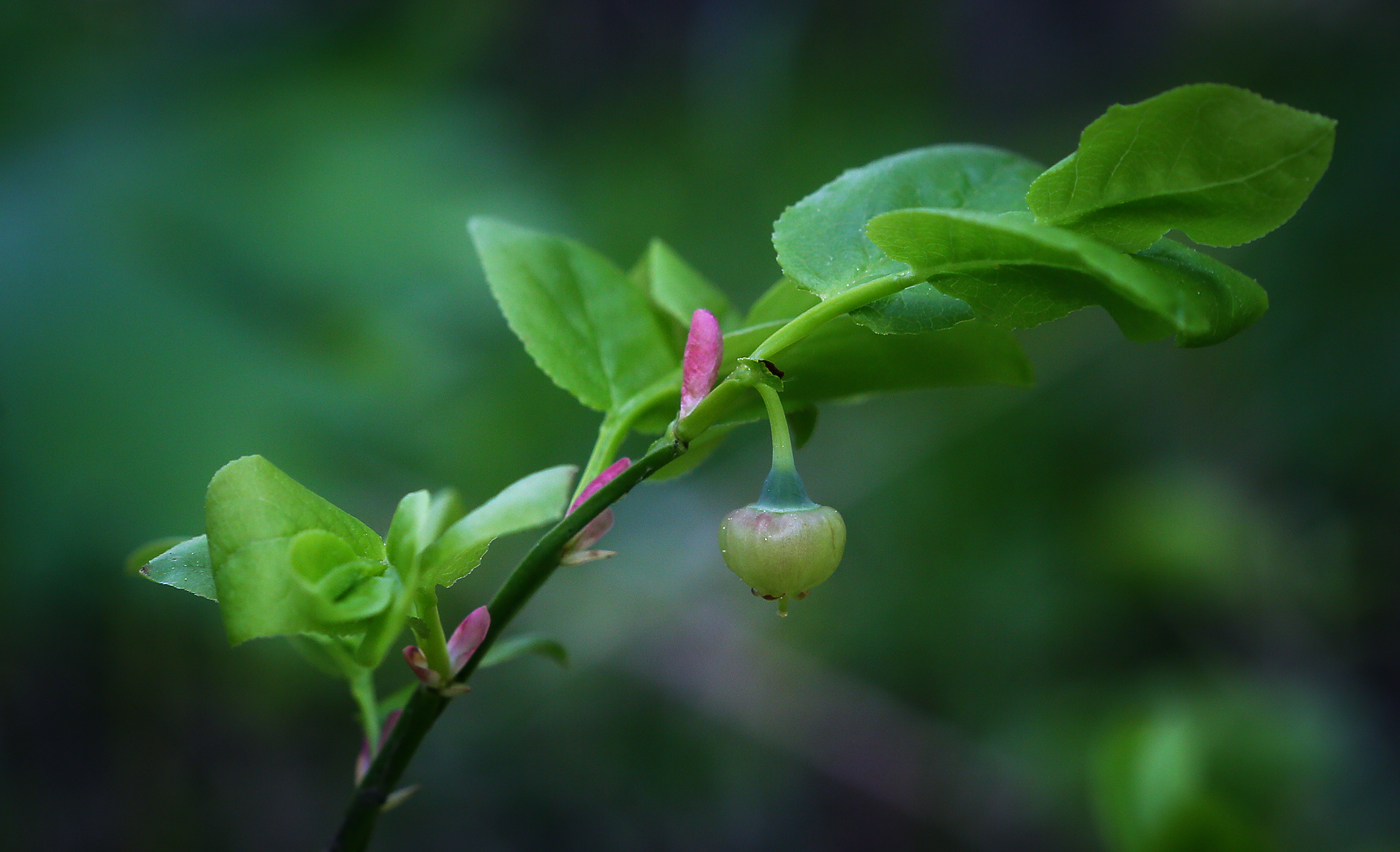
[[1017, 274], [1219, 163], [185, 566], [679, 290], [538, 499], [287, 561], [587, 327], [822, 244], [517, 646]]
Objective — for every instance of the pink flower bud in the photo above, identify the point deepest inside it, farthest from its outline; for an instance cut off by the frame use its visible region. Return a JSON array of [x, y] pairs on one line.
[[599, 526], [419, 663], [612, 472], [704, 348], [467, 638]]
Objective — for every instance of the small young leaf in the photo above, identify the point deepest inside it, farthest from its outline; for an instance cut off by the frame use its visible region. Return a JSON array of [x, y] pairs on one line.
[[1017, 274], [533, 501], [821, 240], [184, 566], [419, 520], [508, 649], [587, 327], [679, 290], [1219, 163]]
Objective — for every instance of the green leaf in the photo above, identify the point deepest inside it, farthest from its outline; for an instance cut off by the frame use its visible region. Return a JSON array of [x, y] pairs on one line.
[[586, 326], [1017, 274], [287, 561], [538, 499], [1219, 163], [843, 361], [822, 244], [251, 500], [802, 423], [418, 521], [783, 301], [185, 566], [138, 558], [679, 290], [508, 649]]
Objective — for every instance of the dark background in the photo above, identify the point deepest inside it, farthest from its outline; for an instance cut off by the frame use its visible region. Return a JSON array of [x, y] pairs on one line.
[[1150, 604]]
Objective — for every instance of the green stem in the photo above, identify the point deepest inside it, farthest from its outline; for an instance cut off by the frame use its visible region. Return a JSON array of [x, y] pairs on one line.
[[433, 642], [617, 425], [783, 490], [777, 420], [426, 705], [362, 688]]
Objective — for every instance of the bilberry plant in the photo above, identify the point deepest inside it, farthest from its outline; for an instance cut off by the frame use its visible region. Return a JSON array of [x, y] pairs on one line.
[[909, 272]]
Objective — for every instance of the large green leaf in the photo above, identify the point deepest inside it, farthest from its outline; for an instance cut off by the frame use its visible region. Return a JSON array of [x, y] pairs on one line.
[[587, 327], [821, 240], [842, 361], [679, 290], [538, 499], [184, 566], [1016, 273], [287, 561], [1219, 163]]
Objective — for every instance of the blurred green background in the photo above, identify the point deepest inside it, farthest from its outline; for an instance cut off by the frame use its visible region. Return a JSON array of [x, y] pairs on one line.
[[1149, 605]]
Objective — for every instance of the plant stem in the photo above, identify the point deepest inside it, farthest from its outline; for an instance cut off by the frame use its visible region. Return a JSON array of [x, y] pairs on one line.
[[362, 688], [426, 705], [433, 642], [783, 490], [617, 425], [777, 420]]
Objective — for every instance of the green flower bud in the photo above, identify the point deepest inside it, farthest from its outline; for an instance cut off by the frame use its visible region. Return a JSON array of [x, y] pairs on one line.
[[783, 544], [782, 554]]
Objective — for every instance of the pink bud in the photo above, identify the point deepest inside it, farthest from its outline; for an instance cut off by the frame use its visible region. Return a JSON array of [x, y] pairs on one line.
[[612, 472], [366, 757], [704, 347], [467, 638], [599, 526], [592, 531], [419, 663]]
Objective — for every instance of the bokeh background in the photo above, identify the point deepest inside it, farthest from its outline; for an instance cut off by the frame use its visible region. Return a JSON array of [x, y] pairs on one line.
[[1149, 605]]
